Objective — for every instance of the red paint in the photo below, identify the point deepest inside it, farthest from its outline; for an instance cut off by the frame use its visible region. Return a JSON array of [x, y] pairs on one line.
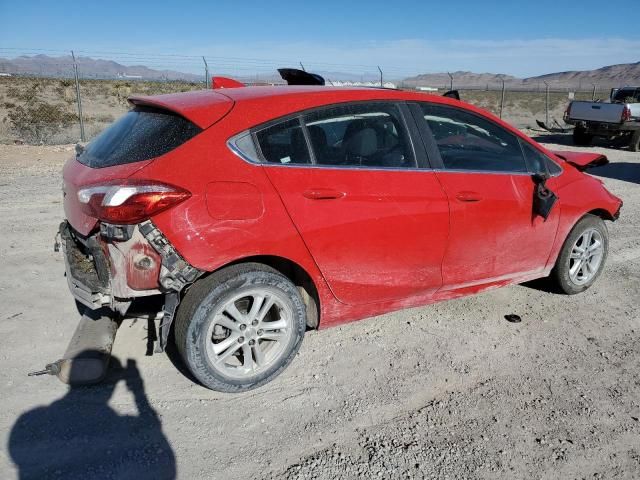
[[371, 240], [224, 82]]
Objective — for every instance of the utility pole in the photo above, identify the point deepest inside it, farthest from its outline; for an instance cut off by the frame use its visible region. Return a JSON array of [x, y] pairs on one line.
[[380, 70], [546, 102], [450, 81], [593, 94], [502, 99], [206, 73], [78, 97]]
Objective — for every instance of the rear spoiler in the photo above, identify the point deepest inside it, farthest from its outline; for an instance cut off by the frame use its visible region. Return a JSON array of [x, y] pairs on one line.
[[582, 160], [452, 94], [292, 76]]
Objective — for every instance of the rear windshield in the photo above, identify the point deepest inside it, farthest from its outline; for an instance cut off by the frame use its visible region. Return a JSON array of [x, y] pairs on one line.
[[143, 133], [625, 95]]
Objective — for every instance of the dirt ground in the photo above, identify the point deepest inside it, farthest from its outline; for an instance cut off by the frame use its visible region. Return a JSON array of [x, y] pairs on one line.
[[451, 390]]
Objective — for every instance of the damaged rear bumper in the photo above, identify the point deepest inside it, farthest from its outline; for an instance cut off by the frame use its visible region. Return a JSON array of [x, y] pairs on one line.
[[86, 269], [105, 271]]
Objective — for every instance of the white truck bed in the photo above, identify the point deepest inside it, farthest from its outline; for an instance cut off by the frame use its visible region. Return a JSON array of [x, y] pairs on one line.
[[596, 112]]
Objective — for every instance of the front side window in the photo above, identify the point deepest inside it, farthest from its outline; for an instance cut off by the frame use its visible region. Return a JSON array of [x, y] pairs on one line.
[[469, 142], [364, 135], [538, 162]]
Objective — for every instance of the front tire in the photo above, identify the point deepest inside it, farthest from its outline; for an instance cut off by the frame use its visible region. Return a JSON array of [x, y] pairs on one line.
[[240, 327], [634, 142], [583, 256]]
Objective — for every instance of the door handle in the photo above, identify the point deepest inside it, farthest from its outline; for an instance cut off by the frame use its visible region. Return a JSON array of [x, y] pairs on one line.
[[323, 194], [467, 196]]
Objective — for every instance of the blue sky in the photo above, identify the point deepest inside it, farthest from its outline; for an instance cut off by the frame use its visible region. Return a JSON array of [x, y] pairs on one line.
[[519, 38]]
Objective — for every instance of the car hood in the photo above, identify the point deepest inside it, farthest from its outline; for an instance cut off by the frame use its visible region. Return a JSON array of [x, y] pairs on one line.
[[582, 160]]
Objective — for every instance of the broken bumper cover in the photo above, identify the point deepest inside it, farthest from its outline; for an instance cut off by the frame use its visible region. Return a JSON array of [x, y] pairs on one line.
[[106, 272], [86, 269]]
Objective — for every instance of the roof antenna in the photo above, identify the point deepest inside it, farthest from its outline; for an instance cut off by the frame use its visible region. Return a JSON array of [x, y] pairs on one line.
[[302, 66]]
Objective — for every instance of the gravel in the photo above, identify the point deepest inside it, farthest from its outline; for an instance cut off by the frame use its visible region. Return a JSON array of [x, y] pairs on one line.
[[451, 390]]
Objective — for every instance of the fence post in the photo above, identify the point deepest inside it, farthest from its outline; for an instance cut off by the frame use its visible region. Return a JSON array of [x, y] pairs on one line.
[[593, 95], [206, 73], [78, 98], [502, 99], [380, 70], [546, 102]]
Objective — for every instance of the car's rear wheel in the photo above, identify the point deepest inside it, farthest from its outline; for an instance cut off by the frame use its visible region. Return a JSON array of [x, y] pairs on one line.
[[581, 136], [240, 327], [583, 255]]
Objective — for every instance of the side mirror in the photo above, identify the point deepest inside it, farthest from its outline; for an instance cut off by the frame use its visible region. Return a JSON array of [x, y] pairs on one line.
[[543, 198], [540, 178]]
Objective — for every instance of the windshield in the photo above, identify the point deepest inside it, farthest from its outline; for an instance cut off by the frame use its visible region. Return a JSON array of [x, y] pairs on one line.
[[143, 133]]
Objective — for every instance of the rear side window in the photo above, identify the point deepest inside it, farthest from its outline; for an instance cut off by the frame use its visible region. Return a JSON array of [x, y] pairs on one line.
[[363, 135], [284, 143], [469, 142], [143, 133]]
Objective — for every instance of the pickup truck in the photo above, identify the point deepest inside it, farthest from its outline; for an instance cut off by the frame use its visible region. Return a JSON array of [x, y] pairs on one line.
[[616, 118]]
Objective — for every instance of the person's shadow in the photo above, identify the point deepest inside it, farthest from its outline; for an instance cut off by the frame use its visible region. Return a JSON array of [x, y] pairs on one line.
[[80, 436]]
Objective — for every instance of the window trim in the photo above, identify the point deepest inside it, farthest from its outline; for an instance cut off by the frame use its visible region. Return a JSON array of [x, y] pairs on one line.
[[429, 139], [421, 159], [544, 155]]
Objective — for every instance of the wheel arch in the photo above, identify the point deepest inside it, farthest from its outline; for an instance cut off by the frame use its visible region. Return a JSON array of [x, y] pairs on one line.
[[599, 212], [294, 272]]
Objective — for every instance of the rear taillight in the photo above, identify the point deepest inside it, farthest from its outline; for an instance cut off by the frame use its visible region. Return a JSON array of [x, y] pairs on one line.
[[626, 114], [129, 201]]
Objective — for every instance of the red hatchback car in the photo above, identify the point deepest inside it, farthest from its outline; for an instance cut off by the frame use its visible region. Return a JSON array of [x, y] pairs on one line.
[[255, 213]]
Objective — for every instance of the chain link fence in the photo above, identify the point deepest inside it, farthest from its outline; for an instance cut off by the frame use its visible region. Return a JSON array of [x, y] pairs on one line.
[[55, 111], [63, 110]]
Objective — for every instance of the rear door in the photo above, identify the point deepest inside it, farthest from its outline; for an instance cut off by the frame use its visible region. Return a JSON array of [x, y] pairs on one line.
[[354, 183], [494, 233]]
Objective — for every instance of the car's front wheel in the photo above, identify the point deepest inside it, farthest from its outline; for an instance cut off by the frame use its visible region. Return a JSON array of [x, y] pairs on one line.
[[240, 327], [583, 255]]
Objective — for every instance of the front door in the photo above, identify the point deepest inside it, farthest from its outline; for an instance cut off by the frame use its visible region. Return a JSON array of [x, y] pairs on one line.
[[494, 233]]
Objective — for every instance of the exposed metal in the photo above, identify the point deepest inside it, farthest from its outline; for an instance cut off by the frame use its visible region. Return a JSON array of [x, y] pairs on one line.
[[86, 359], [175, 274]]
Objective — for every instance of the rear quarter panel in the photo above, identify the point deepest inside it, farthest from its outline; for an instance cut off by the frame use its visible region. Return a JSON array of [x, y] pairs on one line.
[[234, 212]]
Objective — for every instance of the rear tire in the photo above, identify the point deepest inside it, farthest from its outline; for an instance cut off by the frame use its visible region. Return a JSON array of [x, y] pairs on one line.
[[240, 327], [581, 136], [582, 257], [634, 143]]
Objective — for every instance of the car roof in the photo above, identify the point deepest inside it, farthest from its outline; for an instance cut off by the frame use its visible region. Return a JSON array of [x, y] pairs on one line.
[[250, 106]]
